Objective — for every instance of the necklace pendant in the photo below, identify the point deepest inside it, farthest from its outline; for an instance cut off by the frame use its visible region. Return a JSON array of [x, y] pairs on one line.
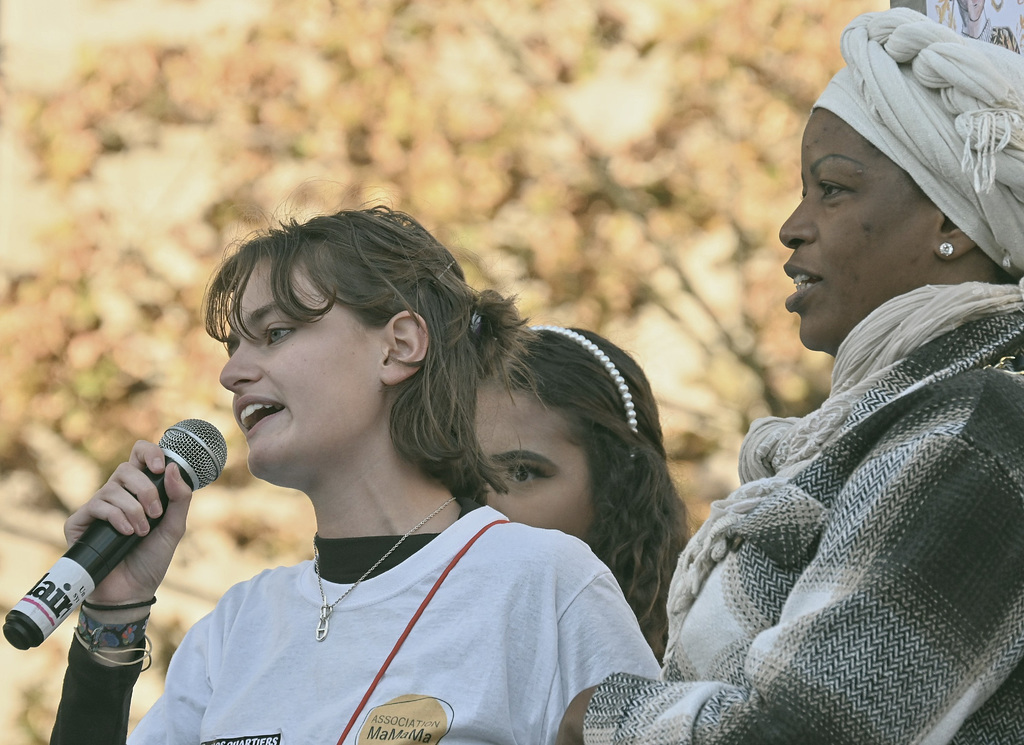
[[324, 625]]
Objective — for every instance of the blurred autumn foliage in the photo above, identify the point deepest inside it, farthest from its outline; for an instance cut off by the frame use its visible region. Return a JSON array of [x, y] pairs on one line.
[[622, 165]]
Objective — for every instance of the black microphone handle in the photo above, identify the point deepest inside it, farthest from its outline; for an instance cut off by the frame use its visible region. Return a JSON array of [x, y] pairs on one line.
[[101, 547], [75, 575]]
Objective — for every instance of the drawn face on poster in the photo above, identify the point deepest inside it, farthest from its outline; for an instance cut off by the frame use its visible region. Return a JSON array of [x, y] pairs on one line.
[[996, 21], [972, 15]]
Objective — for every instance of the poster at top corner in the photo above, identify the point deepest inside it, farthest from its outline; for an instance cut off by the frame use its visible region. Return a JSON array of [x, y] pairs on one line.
[[997, 21]]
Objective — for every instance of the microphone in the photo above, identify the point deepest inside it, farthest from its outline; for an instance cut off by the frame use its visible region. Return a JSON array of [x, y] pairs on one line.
[[199, 450]]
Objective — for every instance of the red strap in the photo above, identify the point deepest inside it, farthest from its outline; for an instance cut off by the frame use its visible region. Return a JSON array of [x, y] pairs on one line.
[[412, 622]]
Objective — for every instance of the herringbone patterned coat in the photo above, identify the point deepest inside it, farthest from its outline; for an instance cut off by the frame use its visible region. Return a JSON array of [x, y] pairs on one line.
[[878, 597]]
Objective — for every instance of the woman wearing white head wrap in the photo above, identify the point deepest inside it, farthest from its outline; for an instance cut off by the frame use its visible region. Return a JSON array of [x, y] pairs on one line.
[[865, 583]]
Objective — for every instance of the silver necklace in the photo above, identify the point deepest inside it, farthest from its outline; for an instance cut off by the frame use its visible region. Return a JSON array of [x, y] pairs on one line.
[[326, 609]]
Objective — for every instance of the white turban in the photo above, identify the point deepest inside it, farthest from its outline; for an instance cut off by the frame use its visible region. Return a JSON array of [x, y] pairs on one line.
[[946, 109]]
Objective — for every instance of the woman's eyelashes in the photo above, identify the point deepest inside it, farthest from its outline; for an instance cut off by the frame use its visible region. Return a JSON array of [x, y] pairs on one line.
[[270, 335], [522, 470], [830, 190], [521, 473], [825, 189], [277, 333]]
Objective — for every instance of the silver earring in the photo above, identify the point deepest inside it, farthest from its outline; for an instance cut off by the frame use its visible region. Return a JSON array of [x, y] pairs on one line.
[[946, 250]]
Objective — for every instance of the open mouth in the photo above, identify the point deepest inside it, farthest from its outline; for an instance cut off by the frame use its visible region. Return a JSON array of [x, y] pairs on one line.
[[803, 281], [253, 413]]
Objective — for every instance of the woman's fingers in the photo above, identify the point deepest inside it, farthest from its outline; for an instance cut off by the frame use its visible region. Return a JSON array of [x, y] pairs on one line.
[[179, 497], [128, 501], [130, 498]]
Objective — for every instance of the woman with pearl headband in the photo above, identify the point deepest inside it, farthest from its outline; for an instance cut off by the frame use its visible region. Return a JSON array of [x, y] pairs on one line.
[[580, 441]]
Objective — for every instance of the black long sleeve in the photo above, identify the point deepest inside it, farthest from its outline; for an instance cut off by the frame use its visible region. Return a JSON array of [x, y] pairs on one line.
[[94, 702]]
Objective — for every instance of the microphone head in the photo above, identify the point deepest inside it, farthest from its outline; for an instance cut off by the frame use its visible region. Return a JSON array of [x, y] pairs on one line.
[[199, 450]]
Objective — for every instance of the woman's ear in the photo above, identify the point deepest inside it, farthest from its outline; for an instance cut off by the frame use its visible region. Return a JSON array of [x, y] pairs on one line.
[[960, 259], [952, 243], [405, 347]]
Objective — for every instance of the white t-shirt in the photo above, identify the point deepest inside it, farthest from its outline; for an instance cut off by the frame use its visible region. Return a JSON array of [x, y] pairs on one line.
[[526, 620]]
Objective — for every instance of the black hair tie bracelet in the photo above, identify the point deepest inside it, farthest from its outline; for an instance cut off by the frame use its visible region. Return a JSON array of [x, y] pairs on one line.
[[129, 606]]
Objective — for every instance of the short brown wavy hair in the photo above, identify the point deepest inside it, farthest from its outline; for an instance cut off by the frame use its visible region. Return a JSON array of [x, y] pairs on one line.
[[378, 262]]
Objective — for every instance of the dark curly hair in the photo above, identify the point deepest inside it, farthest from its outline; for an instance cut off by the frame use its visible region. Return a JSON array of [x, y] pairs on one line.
[[639, 523], [378, 262]]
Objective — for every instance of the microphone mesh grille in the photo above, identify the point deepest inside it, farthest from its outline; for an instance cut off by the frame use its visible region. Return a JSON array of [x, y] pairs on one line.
[[201, 445]]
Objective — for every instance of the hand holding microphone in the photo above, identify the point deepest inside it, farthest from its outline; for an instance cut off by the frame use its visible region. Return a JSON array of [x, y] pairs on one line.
[[156, 483]]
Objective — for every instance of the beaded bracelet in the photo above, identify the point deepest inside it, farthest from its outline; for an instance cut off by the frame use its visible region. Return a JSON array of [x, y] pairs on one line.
[[115, 639]]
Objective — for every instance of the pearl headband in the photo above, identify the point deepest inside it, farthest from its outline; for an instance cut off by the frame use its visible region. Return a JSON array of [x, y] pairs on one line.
[[605, 360]]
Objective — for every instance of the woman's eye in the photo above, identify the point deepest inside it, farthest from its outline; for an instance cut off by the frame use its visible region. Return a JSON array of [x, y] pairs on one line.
[[276, 334], [520, 473], [830, 190]]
